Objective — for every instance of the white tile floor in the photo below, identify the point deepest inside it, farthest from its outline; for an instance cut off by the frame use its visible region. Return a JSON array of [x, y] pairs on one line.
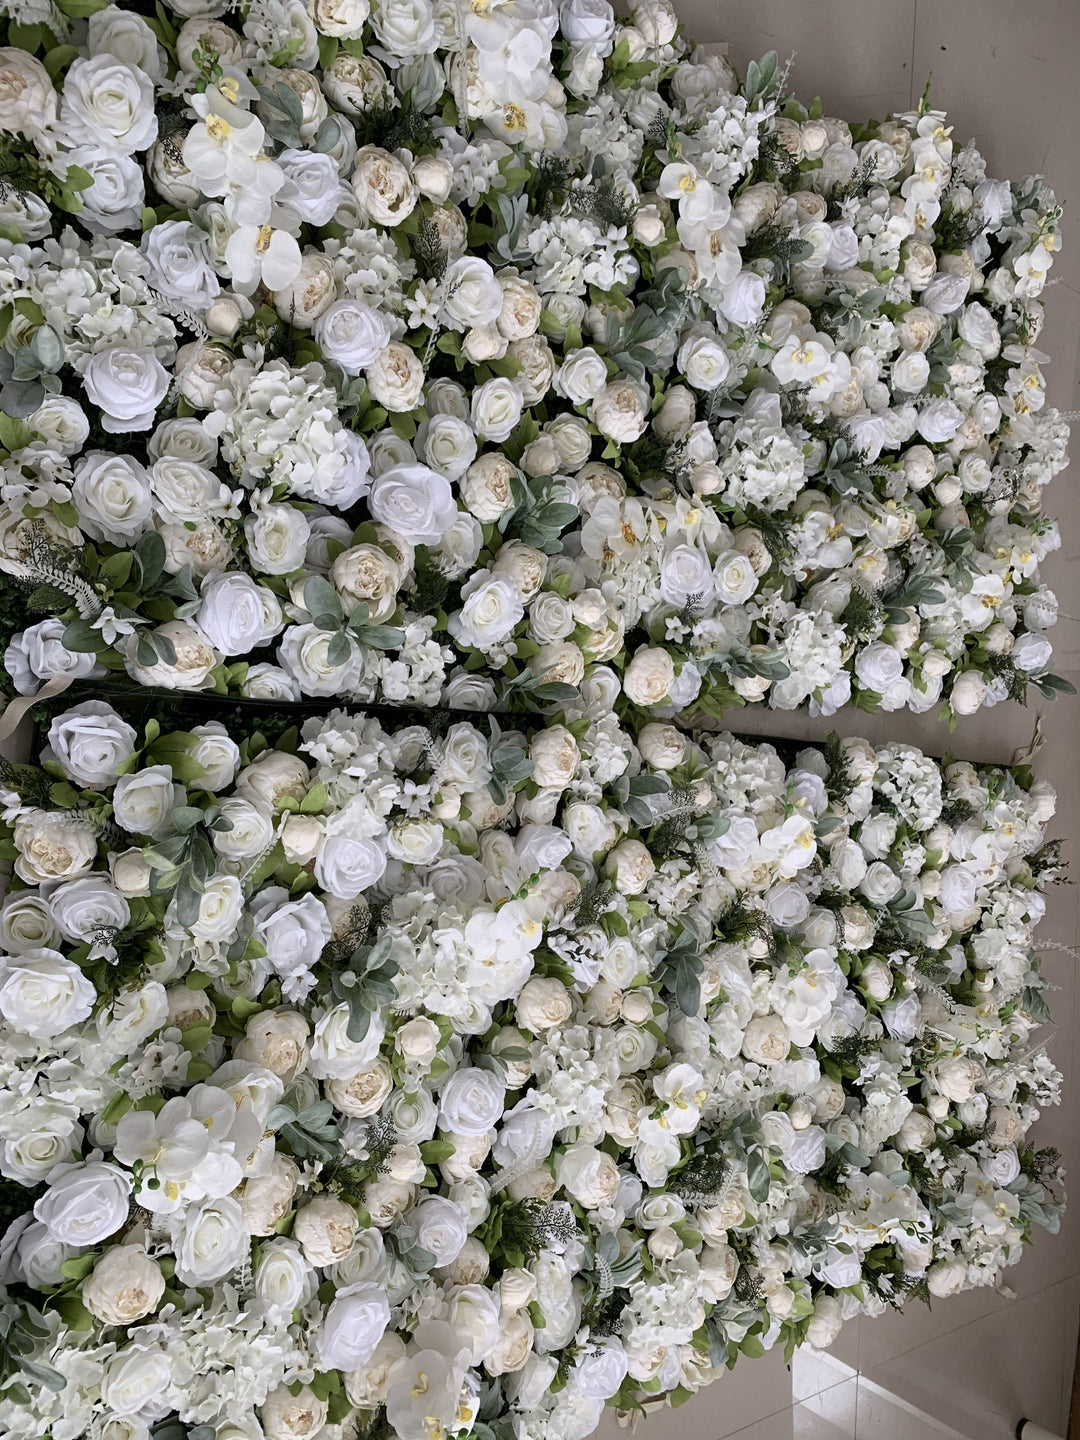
[[978, 1363]]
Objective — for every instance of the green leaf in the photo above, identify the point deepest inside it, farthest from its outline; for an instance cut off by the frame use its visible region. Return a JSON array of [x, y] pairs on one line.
[[314, 802], [117, 1107], [79, 1267], [434, 1152], [81, 637]]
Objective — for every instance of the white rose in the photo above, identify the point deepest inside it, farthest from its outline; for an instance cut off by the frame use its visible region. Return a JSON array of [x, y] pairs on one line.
[[124, 1285], [83, 907], [589, 828], [109, 105], [704, 361], [471, 1101], [132, 1378], [91, 743], [113, 202], [441, 1227], [304, 653], [277, 538], [127, 384], [333, 1055], [237, 614], [26, 923], [496, 408], [348, 866], [112, 497], [582, 376], [490, 611], [734, 578], [85, 1203], [352, 1327], [353, 334], [474, 296], [878, 667], [221, 904], [283, 1280], [591, 1176], [413, 501], [143, 801], [42, 994]]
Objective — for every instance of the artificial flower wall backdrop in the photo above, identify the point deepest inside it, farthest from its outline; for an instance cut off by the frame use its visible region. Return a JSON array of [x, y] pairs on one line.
[[418, 422]]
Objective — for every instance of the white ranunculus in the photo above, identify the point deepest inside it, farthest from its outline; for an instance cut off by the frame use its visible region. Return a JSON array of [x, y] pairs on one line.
[[383, 186], [543, 1003], [620, 411], [286, 1416], [649, 676], [396, 378], [265, 1199], [28, 101], [124, 1286], [53, 845], [630, 866]]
